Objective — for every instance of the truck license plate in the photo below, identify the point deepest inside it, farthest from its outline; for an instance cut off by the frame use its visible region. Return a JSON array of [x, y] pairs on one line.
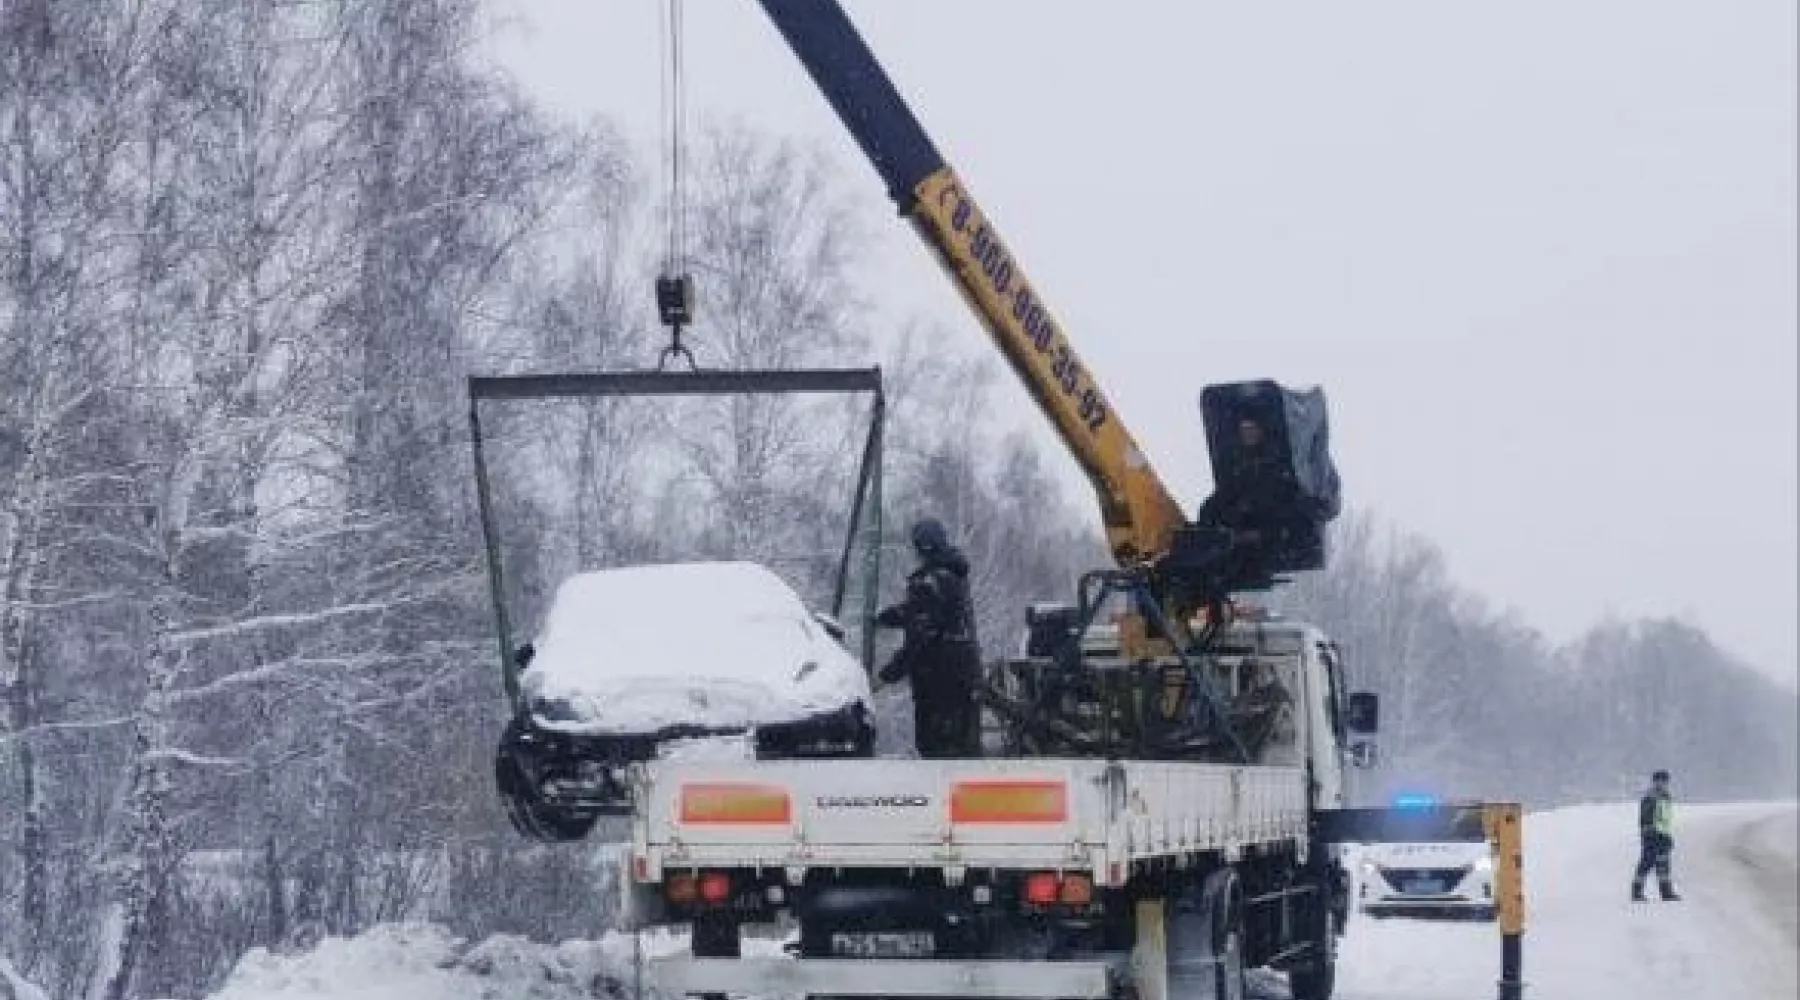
[[884, 944], [1427, 886]]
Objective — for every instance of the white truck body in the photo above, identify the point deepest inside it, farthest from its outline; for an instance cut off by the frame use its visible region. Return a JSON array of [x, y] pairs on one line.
[[1131, 827], [1087, 815], [1095, 817], [1063, 813]]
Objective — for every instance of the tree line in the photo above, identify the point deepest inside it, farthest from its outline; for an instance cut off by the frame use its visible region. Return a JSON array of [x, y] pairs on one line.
[[1477, 703], [248, 253]]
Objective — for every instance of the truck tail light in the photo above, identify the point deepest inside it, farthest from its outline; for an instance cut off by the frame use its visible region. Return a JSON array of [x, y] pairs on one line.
[[1077, 890], [679, 888], [1051, 888], [715, 887], [1040, 888]]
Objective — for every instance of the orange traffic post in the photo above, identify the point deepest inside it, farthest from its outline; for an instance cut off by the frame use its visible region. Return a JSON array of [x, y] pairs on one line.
[[1503, 822]]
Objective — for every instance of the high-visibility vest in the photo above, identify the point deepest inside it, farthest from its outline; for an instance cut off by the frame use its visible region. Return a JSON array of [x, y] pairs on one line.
[[1662, 818]]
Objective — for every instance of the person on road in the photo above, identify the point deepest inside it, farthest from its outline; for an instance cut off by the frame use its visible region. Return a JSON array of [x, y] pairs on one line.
[[939, 653], [1654, 826]]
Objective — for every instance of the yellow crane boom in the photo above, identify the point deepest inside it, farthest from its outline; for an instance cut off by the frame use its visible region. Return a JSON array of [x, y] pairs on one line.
[[1186, 563]]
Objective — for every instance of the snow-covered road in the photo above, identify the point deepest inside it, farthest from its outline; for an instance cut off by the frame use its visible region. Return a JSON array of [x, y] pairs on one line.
[[1732, 936]]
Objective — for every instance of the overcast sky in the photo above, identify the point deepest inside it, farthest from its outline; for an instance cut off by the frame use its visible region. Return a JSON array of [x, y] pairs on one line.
[[1540, 254]]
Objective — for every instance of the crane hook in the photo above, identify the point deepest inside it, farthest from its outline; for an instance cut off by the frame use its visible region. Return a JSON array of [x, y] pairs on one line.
[[675, 287], [675, 305]]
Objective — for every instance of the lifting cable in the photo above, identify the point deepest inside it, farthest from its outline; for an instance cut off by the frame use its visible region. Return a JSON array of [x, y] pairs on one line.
[[675, 286]]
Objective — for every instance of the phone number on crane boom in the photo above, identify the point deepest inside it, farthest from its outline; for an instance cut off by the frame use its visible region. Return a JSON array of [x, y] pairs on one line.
[[997, 267]]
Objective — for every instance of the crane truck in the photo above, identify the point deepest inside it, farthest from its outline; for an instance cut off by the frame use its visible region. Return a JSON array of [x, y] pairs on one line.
[[1154, 818]]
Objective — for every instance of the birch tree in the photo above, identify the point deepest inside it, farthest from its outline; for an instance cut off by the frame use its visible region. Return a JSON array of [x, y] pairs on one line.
[[252, 577], [595, 314], [774, 257], [447, 175], [248, 252], [233, 198], [64, 76]]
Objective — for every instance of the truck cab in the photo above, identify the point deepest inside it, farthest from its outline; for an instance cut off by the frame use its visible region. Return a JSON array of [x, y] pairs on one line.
[[1279, 682]]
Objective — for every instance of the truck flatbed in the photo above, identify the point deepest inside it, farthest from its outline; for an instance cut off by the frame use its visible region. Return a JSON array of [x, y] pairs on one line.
[[1096, 816]]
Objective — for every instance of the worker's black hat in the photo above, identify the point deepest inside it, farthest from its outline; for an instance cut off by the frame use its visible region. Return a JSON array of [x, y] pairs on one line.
[[929, 536], [1660, 775]]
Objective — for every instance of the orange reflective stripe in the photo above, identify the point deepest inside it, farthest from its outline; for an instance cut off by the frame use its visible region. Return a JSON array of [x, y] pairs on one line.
[[735, 803], [1009, 802]]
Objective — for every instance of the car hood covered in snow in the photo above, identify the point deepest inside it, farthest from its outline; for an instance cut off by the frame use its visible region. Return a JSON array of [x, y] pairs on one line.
[[719, 645]]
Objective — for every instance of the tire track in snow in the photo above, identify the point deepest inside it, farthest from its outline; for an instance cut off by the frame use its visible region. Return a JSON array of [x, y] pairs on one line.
[[1760, 855], [1733, 935], [1765, 850], [1728, 932]]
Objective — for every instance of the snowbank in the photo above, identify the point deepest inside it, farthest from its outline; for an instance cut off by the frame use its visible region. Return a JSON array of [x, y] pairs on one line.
[[724, 644], [1730, 936], [1584, 938], [421, 962], [425, 962]]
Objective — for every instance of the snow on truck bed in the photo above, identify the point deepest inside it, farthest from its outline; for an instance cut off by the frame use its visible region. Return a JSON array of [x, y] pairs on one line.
[[718, 644]]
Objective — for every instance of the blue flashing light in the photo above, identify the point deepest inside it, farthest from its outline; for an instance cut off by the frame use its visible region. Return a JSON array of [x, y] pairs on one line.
[[1415, 800]]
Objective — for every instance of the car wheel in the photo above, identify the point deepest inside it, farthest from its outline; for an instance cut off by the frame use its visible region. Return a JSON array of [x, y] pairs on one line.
[[526, 809]]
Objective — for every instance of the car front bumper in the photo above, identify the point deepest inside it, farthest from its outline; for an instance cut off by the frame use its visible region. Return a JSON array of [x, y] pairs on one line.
[[1388, 893], [1426, 906]]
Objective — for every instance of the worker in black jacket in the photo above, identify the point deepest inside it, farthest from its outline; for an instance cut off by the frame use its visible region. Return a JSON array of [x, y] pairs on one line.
[[1258, 501], [1256, 481], [1655, 823], [939, 653]]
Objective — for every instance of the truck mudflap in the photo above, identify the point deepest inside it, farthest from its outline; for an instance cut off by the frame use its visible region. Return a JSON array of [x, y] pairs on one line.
[[1066, 980]]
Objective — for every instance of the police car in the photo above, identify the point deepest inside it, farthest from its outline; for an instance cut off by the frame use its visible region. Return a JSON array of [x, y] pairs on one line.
[[1449, 880]]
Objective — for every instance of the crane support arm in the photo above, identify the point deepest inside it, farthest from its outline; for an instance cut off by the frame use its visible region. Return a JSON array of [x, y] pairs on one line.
[[1140, 514]]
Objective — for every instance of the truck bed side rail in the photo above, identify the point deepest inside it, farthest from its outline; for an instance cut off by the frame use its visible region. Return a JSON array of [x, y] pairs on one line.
[[1022, 814]]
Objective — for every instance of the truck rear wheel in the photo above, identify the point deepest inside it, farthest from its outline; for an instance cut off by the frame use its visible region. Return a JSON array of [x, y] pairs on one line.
[[1317, 979], [1227, 911], [1206, 941], [715, 936]]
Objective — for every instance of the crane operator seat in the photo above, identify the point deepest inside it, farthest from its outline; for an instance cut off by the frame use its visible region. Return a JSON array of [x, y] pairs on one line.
[[1275, 488]]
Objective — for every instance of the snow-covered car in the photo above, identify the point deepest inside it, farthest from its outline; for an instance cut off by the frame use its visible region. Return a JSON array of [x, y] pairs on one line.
[[1427, 880], [634, 661]]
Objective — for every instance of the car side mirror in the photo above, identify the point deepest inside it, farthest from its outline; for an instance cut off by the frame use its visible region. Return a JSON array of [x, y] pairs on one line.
[[832, 626], [1364, 754], [523, 654], [1363, 713]]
